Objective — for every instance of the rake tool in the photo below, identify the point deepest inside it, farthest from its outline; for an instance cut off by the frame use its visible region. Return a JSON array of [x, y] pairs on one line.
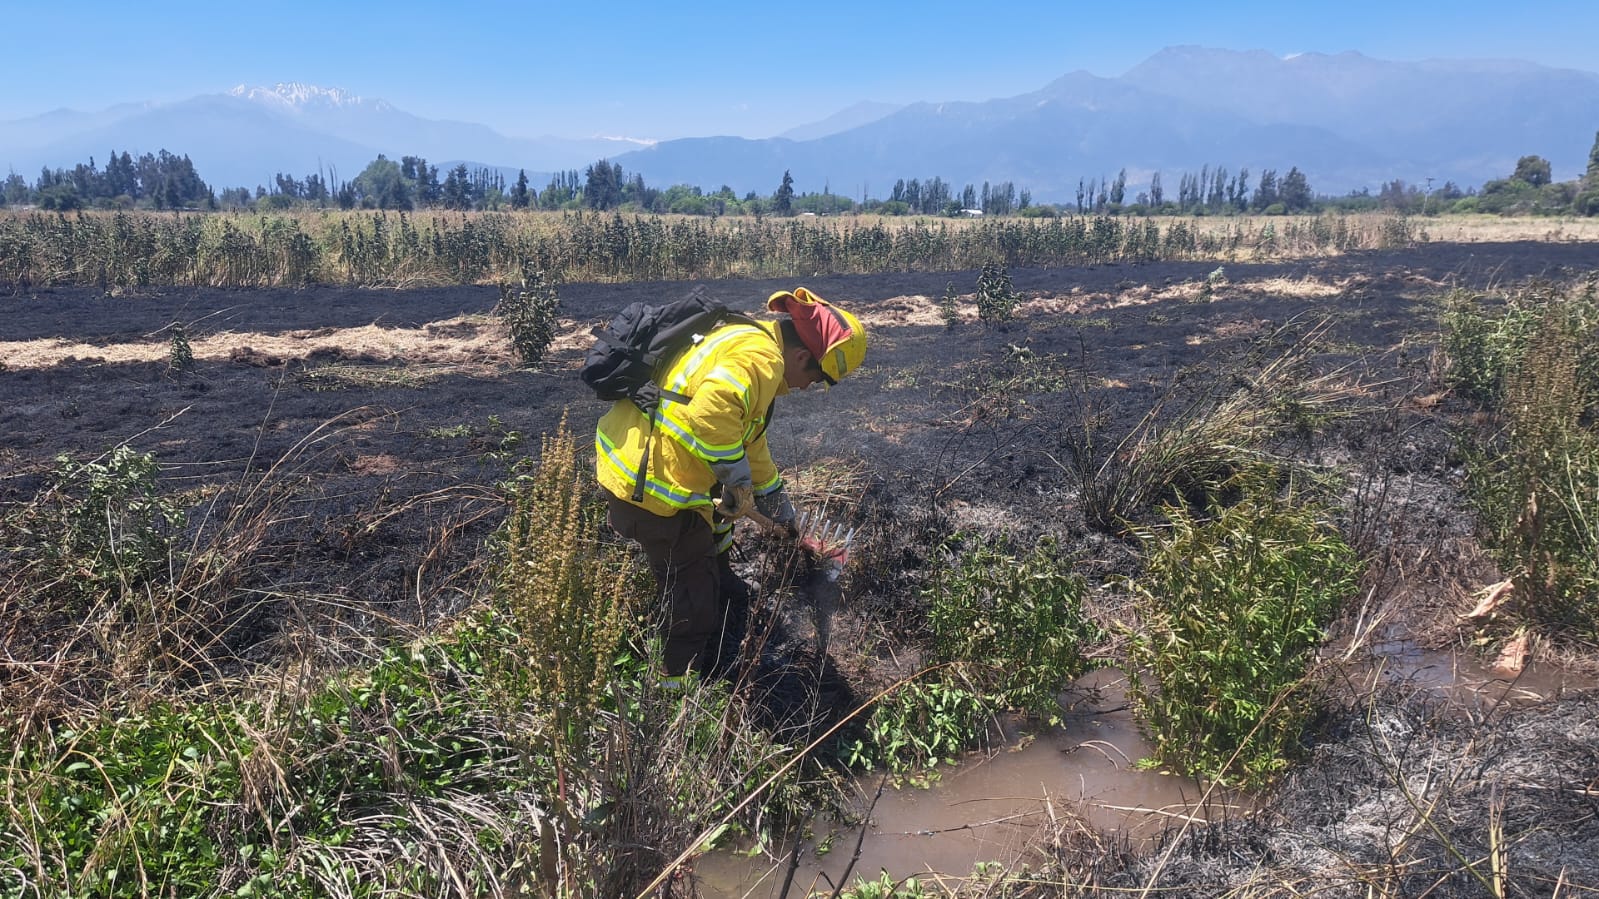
[[827, 545], [828, 541]]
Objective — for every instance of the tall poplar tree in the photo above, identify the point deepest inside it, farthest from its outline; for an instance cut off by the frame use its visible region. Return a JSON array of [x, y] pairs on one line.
[[783, 202], [519, 197]]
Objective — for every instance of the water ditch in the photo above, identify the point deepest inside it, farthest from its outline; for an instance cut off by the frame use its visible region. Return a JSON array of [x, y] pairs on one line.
[[994, 806], [991, 807]]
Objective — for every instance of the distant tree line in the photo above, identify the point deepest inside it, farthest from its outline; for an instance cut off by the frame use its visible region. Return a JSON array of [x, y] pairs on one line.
[[151, 181], [165, 181]]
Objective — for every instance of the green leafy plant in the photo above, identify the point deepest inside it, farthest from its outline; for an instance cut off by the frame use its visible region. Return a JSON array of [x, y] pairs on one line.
[[329, 790], [102, 528], [996, 299], [1012, 622], [949, 307], [180, 357], [885, 887], [123, 807], [503, 444], [922, 723], [530, 313], [1008, 632], [1232, 610]]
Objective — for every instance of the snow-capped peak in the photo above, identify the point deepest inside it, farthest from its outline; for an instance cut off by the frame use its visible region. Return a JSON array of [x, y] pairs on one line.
[[295, 96]]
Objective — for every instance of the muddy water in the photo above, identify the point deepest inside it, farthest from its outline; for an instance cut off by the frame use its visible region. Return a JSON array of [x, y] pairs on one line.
[[992, 808], [1467, 682], [989, 808]]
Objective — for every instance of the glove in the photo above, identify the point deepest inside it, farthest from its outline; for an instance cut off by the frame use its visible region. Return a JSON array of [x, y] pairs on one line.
[[736, 502], [776, 506], [738, 488]]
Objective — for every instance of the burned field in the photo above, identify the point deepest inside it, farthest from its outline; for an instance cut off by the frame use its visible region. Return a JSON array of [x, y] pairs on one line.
[[351, 448]]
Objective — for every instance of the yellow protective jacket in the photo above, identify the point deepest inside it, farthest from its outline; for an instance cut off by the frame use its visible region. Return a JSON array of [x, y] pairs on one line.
[[730, 379]]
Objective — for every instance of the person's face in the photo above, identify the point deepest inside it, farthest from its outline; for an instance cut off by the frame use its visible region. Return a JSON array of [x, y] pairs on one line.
[[800, 369]]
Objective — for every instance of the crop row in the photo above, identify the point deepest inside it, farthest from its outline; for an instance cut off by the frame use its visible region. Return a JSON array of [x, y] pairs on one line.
[[128, 250]]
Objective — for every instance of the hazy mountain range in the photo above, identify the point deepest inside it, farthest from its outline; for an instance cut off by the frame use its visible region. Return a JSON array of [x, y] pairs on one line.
[[1348, 121]]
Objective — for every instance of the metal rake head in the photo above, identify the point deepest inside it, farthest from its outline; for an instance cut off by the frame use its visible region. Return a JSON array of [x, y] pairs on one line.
[[826, 539]]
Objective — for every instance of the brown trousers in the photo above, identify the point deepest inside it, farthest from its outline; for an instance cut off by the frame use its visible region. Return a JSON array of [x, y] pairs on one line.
[[681, 550]]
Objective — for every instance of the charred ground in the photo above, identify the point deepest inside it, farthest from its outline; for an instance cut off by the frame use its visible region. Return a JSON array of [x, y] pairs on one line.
[[382, 422]]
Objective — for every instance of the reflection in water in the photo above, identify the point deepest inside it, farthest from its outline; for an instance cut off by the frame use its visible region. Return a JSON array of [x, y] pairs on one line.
[[989, 808]]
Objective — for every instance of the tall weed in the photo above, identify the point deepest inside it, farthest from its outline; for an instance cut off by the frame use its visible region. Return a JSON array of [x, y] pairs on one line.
[[1533, 464]]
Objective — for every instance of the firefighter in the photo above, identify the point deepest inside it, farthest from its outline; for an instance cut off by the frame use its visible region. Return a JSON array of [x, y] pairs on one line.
[[708, 463]]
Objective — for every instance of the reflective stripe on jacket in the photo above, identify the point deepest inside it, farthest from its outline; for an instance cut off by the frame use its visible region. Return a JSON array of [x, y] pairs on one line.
[[730, 379]]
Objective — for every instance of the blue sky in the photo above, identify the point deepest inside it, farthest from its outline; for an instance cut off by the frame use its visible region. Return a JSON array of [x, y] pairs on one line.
[[663, 70]]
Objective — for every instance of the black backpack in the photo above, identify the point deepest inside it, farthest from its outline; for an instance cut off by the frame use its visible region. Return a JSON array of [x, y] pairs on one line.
[[640, 342]]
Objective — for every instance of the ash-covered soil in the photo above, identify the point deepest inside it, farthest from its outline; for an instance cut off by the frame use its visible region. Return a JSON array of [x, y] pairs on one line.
[[380, 422]]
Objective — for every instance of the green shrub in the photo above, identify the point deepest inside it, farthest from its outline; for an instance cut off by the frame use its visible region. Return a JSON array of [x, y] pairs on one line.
[[996, 300], [1586, 203], [180, 355], [1014, 624], [102, 529], [1008, 632], [1232, 611], [530, 313]]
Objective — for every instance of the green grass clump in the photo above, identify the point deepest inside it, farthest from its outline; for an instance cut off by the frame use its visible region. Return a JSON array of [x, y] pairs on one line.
[[1197, 446], [1233, 607]]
